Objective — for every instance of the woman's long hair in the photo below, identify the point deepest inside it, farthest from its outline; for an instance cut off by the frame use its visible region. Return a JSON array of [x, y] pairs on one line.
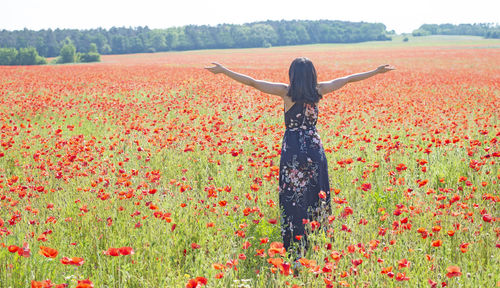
[[303, 81]]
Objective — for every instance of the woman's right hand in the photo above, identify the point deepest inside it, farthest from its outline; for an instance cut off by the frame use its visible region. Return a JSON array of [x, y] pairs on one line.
[[216, 69], [384, 68]]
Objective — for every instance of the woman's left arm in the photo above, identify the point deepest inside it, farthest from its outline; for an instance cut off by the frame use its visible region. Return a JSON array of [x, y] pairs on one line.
[[329, 86], [365, 75], [279, 89]]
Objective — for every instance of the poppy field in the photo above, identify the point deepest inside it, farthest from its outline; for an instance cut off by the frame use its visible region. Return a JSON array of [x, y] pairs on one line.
[[146, 170]]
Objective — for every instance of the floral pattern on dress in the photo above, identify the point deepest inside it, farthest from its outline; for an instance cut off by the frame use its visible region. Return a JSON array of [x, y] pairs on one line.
[[303, 172], [297, 178]]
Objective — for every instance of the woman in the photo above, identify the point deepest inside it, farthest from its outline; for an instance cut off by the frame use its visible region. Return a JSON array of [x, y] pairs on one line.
[[304, 190]]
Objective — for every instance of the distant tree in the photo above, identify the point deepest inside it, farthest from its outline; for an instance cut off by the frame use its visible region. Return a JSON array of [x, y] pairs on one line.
[[157, 40], [53, 47], [91, 56], [93, 48], [68, 52], [223, 37], [98, 37], [482, 29], [8, 56], [135, 45], [262, 35], [183, 41], [241, 35], [430, 28], [493, 34], [200, 37], [119, 44], [420, 32], [106, 49], [88, 57], [287, 36], [171, 39], [29, 56], [26, 56], [302, 34]]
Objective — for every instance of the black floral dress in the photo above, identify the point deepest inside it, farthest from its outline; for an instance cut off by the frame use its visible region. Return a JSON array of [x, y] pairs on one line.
[[303, 173]]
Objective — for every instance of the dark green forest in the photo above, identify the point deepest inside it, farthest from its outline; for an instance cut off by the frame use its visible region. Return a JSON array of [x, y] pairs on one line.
[[481, 29], [34, 45], [122, 40]]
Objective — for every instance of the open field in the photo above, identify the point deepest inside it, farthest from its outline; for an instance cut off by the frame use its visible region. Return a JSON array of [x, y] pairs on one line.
[[178, 168]]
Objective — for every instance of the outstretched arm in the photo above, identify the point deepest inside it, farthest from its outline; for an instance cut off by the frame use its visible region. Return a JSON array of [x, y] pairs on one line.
[[330, 86], [279, 89]]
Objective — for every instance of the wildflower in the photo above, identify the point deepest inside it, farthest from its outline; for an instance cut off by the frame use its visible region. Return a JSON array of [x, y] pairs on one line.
[[48, 252], [453, 271]]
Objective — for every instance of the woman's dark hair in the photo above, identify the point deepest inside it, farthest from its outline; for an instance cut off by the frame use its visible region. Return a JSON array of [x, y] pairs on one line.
[[303, 81]]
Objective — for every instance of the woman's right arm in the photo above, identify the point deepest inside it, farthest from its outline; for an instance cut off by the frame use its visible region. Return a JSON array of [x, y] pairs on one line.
[[330, 86], [279, 89]]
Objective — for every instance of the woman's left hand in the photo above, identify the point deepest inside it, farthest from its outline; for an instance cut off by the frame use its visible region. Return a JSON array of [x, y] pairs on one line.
[[216, 69]]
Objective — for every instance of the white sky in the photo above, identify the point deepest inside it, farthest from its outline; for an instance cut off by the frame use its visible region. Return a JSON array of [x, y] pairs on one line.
[[399, 15]]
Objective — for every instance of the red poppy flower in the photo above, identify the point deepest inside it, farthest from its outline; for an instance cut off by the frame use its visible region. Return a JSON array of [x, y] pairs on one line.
[[112, 252], [41, 284], [437, 243], [366, 186], [84, 284], [196, 282], [48, 252], [76, 261], [246, 245], [276, 248], [403, 263], [464, 247], [314, 225], [126, 251], [402, 277], [453, 271], [487, 218], [13, 248]]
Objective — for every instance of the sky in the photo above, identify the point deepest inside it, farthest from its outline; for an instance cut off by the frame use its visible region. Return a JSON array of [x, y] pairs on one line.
[[403, 16]]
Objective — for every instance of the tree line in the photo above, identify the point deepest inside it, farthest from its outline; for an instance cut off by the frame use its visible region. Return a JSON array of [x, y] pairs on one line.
[[23, 56], [122, 40], [67, 54], [486, 30]]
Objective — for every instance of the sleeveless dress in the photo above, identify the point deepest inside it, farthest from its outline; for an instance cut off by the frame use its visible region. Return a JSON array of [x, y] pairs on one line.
[[303, 174]]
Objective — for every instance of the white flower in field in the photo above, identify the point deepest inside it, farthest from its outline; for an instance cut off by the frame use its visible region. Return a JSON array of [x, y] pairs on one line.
[[73, 277], [242, 283]]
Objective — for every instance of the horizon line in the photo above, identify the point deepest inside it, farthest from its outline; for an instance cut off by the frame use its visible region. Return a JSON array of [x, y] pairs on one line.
[[236, 24]]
